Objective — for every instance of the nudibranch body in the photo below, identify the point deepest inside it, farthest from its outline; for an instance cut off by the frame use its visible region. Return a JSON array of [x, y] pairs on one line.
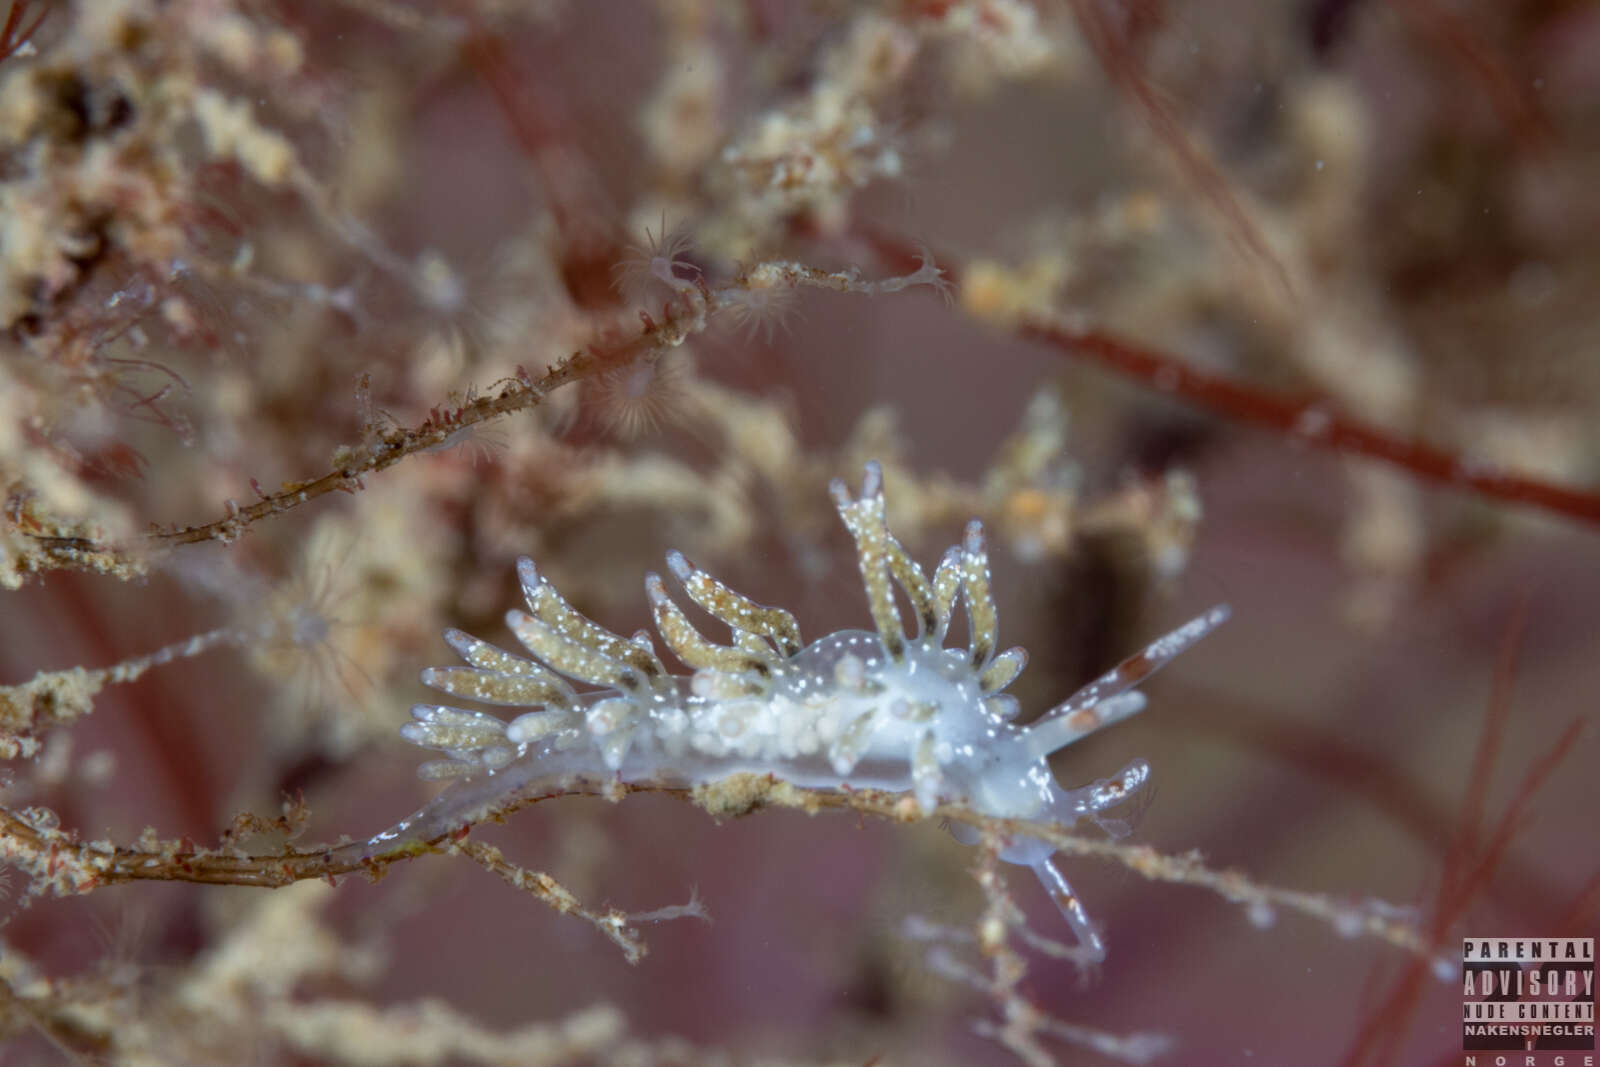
[[888, 709]]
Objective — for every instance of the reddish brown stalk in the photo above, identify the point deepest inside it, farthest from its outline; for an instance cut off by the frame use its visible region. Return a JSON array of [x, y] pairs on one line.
[[1511, 822], [1584, 907], [1469, 823], [1380, 1037], [1116, 57], [67, 865], [1511, 95], [12, 35], [1468, 865], [1308, 421], [570, 186], [390, 448], [388, 444]]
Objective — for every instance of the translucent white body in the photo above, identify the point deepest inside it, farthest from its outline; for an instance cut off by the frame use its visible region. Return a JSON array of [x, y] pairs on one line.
[[883, 709]]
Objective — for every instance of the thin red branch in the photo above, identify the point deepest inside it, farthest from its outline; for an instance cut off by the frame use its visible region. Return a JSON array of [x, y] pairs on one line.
[[1112, 48], [12, 37], [533, 109], [1469, 864], [1310, 422], [1511, 95], [70, 866], [1511, 822], [1583, 910], [1469, 824]]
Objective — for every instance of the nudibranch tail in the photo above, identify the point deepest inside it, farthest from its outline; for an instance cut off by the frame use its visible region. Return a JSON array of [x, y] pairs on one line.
[[889, 709], [1090, 949]]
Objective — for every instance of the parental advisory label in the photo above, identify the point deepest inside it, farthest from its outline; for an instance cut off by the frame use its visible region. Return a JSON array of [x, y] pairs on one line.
[[1527, 994]]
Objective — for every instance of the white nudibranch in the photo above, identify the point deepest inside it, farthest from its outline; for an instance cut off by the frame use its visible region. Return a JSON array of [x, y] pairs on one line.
[[883, 709]]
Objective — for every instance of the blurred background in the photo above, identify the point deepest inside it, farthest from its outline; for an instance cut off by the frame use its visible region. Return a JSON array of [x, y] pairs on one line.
[[242, 240]]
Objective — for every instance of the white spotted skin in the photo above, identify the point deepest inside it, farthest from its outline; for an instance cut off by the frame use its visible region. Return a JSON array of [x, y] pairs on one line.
[[930, 691], [795, 730], [890, 709]]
